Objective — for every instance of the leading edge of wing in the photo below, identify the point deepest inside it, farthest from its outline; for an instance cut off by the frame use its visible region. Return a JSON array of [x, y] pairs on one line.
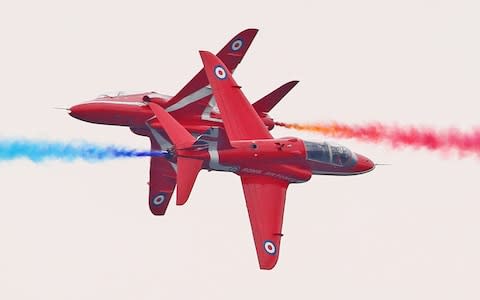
[[240, 119], [265, 199]]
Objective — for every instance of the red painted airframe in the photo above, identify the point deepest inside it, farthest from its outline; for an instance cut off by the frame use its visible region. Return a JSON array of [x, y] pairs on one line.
[[211, 125]]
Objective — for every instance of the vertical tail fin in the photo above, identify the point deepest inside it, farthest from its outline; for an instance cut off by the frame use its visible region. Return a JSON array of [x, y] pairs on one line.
[[187, 168], [187, 172]]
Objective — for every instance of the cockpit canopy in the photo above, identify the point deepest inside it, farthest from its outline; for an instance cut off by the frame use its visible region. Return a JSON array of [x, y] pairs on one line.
[[126, 93], [330, 154]]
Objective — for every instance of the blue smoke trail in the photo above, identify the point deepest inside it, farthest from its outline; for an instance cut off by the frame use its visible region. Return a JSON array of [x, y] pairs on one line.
[[41, 150]]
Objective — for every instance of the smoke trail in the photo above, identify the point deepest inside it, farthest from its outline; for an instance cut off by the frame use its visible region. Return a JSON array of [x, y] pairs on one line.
[[40, 150], [406, 136]]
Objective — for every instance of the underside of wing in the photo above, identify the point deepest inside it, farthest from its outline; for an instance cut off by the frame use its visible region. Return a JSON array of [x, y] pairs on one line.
[[162, 182], [265, 199]]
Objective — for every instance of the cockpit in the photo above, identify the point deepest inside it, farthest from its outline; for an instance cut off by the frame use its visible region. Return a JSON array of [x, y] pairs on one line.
[[328, 153]]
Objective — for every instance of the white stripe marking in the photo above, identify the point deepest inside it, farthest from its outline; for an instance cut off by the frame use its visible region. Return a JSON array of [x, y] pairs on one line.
[[200, 94], [163, 142], [211, 107]]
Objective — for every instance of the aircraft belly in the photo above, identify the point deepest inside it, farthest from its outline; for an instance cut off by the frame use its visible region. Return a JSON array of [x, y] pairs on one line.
[[292, 174]]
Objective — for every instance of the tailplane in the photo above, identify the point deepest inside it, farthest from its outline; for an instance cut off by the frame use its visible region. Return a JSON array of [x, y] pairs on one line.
[[268, 102]]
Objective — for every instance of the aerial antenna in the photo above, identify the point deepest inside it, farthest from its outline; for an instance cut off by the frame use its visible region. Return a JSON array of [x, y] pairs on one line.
[[62, 108]]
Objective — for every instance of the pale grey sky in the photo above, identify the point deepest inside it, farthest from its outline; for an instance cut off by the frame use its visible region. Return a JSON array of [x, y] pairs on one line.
[[84, 231]]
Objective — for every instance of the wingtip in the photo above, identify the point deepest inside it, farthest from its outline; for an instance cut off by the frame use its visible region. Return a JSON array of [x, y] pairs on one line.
[[248, 31], [269, 265], [291, 84], [208, 56], [267, 268], [204, 53]]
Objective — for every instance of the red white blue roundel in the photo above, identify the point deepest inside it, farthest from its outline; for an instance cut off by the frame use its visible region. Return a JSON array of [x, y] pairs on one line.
[[269, 247], [159, 199], [220, 72], [236, 44]]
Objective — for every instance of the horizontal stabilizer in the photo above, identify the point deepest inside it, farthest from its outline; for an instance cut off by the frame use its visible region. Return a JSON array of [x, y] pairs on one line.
[[266, 104]]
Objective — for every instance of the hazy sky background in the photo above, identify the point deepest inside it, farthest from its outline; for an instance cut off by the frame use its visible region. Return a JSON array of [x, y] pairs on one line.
[[84, 231]]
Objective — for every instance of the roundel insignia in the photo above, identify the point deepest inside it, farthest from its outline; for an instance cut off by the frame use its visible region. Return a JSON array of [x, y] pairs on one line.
[[159, 199], [269, 247], [236, 44], [220, 72]]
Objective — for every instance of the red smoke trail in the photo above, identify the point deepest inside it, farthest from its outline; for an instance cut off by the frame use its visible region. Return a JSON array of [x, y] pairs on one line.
[[399, 136]]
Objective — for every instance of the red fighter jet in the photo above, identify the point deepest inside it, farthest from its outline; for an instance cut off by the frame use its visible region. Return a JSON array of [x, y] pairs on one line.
[[266, 165], [241, 144], [193, 106]]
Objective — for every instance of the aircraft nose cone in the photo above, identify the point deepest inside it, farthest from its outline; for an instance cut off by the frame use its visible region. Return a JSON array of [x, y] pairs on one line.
[[79, 111], [364, 164]]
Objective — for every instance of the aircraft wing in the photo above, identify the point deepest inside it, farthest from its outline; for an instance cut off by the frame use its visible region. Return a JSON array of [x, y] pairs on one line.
[[194, 97], [265, 198], [240, 119], [163, 176], [162, 183]]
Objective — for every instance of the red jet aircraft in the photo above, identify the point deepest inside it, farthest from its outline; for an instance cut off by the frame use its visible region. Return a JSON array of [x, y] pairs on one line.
[[193, 106], [241, 144]]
